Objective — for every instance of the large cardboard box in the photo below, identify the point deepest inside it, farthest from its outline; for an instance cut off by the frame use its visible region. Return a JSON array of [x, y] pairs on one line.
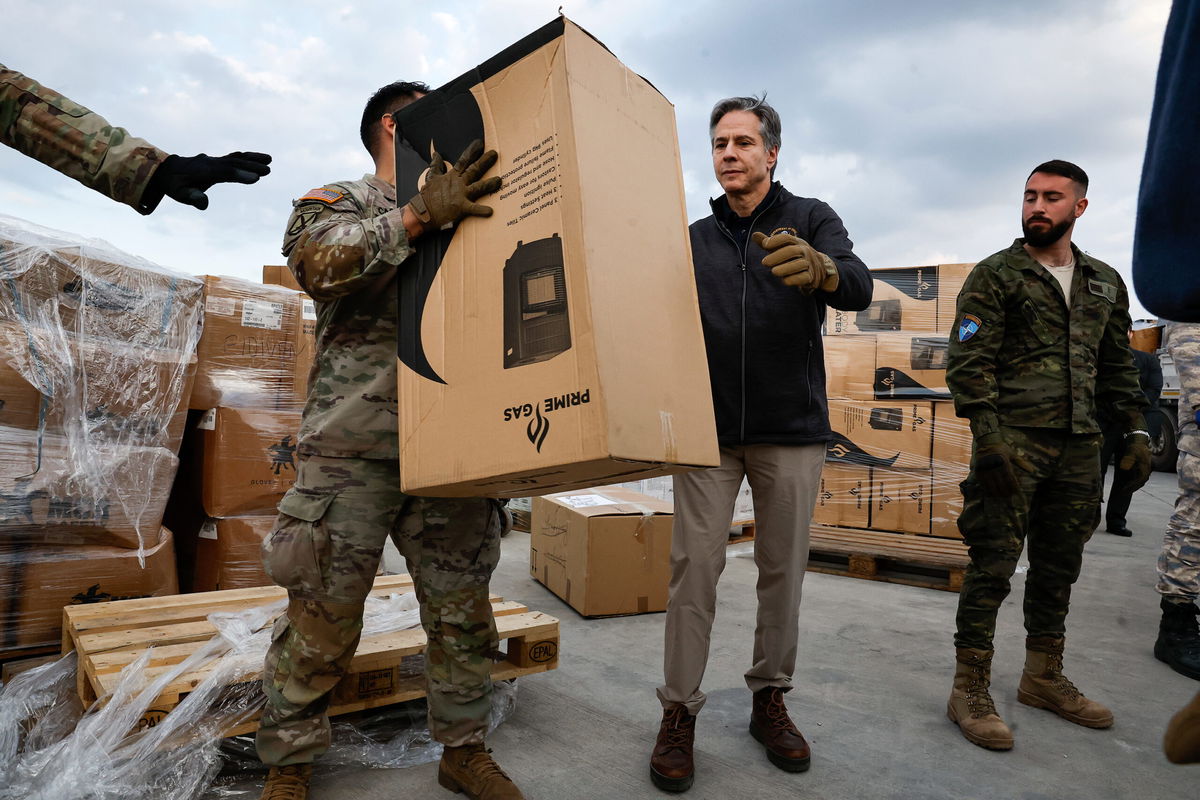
[[36, 581], [900, 500], [557, 343], [604, 551], [257, 348], [950, 282], [905, 298], [951, 463], [910, 365], [249, 459], [229, 553], [664, 489], [850, 366], [844, 496], [280, 275], [881, 433]]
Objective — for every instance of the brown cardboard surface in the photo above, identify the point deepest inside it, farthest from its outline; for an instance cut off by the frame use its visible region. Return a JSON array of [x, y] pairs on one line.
[[844, 497], [951, 463], [910, 365], [950, 282], [604, 551], [882, 433], [229, 553], [249, 459], [280, 275], [36, 581], [54, 490], [603, 374], [900, 500], [1147, 340], [257, 346], [905, 298], [850, 366], [116, 392]]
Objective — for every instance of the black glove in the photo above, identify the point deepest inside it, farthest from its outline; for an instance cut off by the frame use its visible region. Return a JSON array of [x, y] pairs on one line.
[[450, 194], [994, 460], [185, 180], [1133, 462]]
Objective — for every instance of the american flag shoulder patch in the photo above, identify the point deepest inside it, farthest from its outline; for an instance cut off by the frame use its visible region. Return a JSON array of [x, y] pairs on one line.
[[324, 195]]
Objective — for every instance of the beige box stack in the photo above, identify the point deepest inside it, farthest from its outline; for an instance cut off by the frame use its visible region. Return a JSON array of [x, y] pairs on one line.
[[96, 366], [240, 454], [898, 452]]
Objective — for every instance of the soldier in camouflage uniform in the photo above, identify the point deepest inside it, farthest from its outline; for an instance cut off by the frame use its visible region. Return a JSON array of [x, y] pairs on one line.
[[345, 243], [1040, 346], [1178, 641], [65, 136]]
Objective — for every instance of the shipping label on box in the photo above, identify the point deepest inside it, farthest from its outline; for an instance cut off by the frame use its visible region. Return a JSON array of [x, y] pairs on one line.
[[538, 350], [604, 551], [905, 298], [249, 459], [844, 496], [880, 433], [910, 365], [900, 500], [850, 366]]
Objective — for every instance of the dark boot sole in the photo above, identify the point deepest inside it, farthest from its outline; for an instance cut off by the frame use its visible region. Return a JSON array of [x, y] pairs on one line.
[[783, 762], [1034, 701], [671, 784], [999, 745], [1161, 652]]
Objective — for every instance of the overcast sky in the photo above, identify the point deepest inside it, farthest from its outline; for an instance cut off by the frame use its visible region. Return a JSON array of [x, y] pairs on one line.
[[917, 120]]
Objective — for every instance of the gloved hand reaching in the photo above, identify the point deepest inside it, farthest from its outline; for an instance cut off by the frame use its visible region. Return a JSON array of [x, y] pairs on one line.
[[796, 263], [186, 179]]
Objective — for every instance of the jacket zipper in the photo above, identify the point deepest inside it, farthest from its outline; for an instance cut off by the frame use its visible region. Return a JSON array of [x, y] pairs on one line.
[[742, 253]]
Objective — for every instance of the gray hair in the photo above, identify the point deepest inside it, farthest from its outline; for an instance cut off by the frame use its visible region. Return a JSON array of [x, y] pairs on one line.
[[768, 118]]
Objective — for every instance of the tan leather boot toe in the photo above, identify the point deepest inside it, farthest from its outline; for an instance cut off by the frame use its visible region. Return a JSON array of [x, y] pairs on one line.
[[470, 769], [1043, 685]]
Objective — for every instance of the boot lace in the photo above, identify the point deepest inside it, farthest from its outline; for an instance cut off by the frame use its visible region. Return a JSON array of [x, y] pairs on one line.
[[676, 732], [776, 711], [287, 783], [1054, 666], [481, 763], [979, 700]]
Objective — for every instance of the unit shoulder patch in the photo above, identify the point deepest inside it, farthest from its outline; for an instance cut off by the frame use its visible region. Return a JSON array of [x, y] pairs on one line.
[[968, 326], [324, 195]]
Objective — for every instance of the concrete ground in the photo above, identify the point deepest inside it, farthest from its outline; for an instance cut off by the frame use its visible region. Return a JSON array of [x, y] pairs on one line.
[[870, 692]]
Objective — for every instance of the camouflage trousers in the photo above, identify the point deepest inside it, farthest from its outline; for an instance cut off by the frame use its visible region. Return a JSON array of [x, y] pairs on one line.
[[325, 550], [1179, 561], [1056, 508]]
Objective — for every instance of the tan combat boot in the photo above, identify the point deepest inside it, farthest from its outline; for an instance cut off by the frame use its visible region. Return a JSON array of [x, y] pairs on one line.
[[1043, 685], [971, 706], [287, 783], [470, 769]]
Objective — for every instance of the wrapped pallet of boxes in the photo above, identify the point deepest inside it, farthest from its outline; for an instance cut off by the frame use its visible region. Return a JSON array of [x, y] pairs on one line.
[[228, 554], [538, 350], [604, 551], [909, 299], [951, 462]]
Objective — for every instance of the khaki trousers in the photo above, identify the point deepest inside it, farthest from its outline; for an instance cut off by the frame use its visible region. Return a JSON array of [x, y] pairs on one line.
[[783, 481]]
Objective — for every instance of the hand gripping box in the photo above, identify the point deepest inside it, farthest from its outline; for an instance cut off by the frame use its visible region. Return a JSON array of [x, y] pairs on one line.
[[557, 343], [604, 551]]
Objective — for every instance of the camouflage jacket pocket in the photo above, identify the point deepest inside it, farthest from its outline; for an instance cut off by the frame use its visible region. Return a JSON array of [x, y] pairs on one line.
[[1036, 324], [296, 554]]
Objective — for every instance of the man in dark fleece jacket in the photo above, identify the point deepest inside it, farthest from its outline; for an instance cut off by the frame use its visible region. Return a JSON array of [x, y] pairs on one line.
[[767, 264]]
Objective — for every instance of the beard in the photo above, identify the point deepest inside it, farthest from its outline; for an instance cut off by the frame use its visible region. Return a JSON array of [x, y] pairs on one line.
[[1045, 237]]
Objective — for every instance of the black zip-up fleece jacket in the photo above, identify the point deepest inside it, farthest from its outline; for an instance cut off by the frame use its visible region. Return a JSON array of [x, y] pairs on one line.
[[765, 359]]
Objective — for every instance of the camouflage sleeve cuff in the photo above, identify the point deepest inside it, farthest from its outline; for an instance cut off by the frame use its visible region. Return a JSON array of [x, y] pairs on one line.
[[984, 424], [392, 238]]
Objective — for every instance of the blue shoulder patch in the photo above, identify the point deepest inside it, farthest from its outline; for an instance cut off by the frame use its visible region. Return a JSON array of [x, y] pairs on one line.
[[968, 326]]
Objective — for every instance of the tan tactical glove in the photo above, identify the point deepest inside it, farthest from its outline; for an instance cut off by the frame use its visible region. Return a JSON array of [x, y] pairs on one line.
[[1133, 463], [796, 263], [449, 195]]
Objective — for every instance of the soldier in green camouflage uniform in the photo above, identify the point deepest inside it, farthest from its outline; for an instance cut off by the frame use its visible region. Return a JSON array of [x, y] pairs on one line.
[[345, 242], [1178, 641], [65, 136], [1039, 346]]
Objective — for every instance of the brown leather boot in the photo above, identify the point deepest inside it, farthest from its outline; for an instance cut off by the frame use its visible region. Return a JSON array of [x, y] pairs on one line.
[[471, 770], [287, 783], [671, 767], [774, 729], [1181, 742], [971, 706], [1043, 685]]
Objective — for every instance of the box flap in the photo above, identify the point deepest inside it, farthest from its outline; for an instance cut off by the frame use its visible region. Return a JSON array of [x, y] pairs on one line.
[[610, 501]]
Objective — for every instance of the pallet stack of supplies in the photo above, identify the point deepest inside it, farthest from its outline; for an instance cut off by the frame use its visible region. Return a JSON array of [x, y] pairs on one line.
[[951, 463], [229, 553]]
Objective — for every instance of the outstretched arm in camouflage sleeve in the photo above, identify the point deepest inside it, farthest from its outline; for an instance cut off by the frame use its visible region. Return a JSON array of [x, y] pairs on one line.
[[43, 124]]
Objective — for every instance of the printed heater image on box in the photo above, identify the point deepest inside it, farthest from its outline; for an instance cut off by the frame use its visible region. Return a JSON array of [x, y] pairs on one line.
[[536, 323]]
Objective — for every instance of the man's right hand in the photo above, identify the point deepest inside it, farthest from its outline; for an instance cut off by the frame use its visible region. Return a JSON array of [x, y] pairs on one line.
[[450, 194], [994, 466]]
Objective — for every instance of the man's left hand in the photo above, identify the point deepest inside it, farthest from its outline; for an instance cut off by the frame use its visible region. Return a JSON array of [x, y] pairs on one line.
[[797, 263], [186, 179], [1133, 464]]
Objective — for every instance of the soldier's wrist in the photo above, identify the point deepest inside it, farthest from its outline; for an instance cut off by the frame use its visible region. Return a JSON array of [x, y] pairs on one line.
[[1136, 433]]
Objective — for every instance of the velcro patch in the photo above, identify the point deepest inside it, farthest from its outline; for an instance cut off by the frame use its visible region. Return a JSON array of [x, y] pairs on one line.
[[324, 195], [968, 326], [1105, 290]]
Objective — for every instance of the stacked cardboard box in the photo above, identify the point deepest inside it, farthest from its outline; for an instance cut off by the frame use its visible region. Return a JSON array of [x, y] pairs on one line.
[[96, 365], [898, 451], [239, 454]]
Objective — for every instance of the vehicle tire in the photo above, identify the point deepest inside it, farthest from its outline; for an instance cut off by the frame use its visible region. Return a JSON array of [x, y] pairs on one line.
[[1164, 454]]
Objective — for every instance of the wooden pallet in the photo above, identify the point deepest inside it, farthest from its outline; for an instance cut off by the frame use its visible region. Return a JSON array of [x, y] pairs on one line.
[[924, 561], [741, 533], [111, 635]]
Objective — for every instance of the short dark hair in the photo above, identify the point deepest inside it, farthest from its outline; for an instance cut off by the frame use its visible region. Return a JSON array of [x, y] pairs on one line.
[[1064, 169], [768, 118], [390, 98]]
